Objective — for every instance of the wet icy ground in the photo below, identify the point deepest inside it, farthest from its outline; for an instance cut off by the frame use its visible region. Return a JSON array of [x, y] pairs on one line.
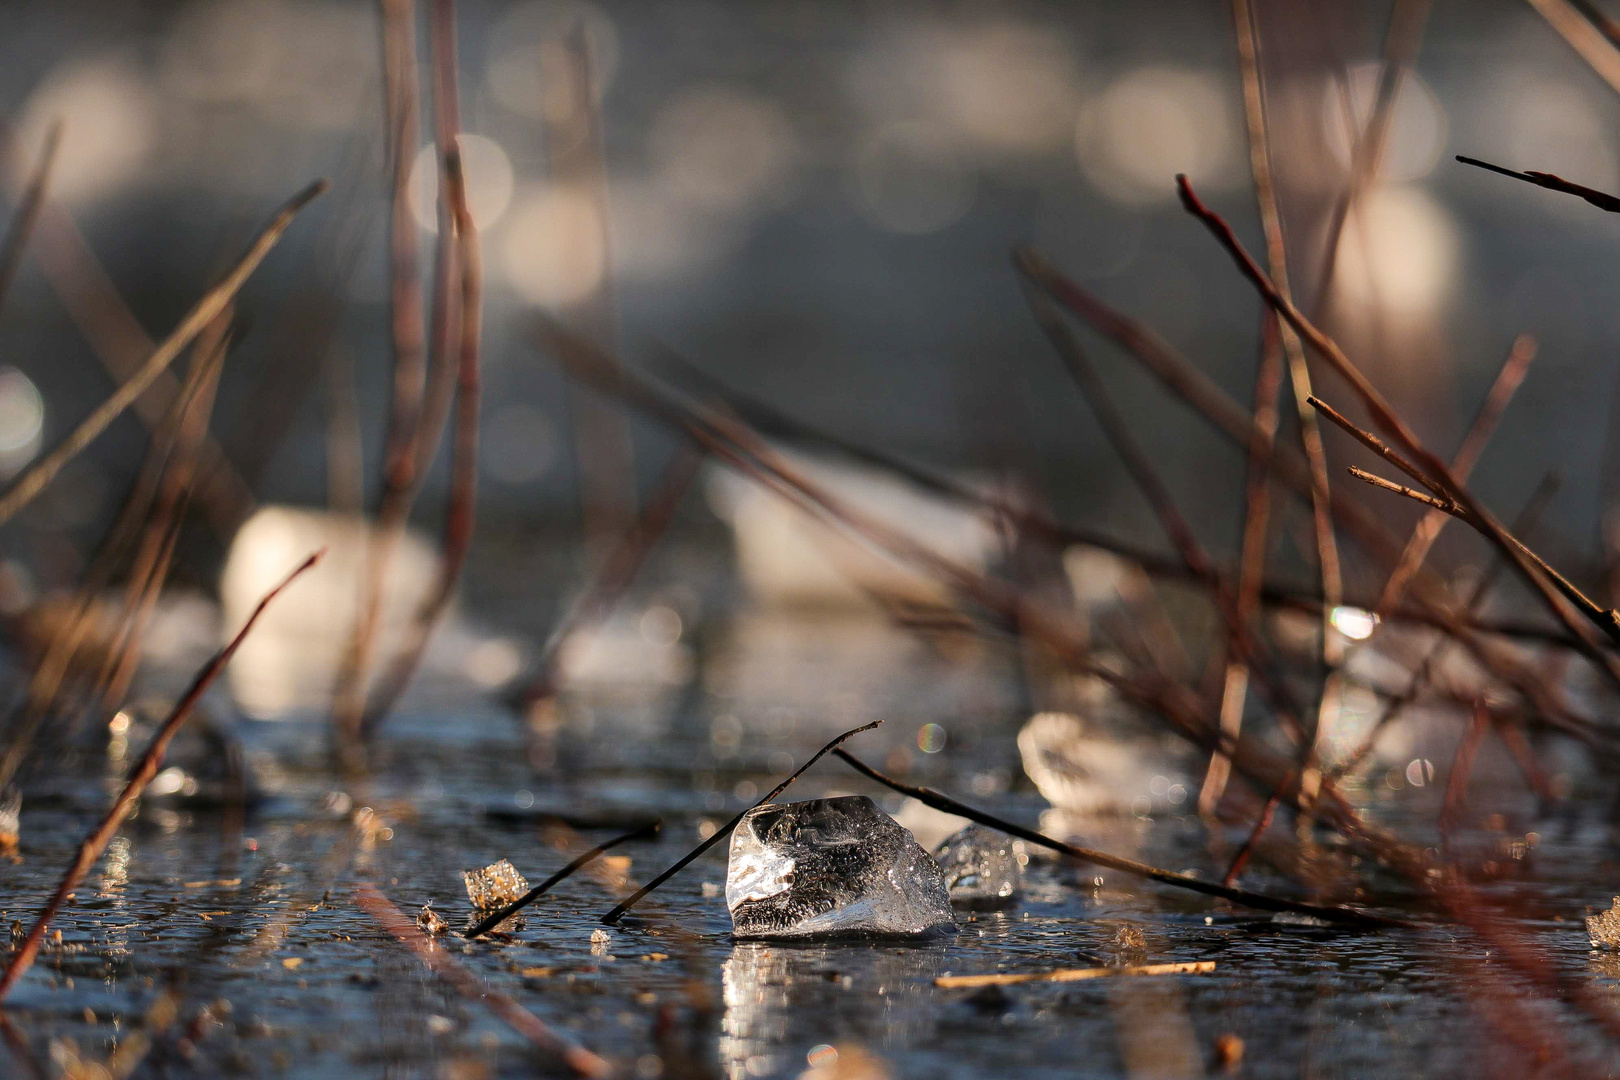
[[265, 921]]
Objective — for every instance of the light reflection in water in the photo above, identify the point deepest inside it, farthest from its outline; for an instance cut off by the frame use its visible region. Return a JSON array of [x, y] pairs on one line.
[[782, 1001]]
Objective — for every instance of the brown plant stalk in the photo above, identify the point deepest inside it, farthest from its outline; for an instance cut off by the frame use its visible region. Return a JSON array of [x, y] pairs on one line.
[[401, 97], [26, 215], [1434, 471], [461, 514]]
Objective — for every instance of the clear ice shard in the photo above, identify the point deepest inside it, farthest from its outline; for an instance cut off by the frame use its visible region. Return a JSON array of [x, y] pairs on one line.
[[832, 868], [1603, 929], [491, 889], [983, 868], [495, 886]]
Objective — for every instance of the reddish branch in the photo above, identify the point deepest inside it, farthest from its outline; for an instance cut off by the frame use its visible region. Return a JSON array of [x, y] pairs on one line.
[[1435, 473], [370, 900], [405, 431]]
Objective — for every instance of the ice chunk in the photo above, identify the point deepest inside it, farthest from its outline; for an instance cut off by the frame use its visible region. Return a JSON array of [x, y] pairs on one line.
[[983, 867], [832, 867], [1603, 929], [491, 889]]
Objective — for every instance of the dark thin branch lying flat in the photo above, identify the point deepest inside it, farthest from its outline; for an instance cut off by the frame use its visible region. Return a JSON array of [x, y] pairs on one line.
[[1552, 182], [725, 830], [648, 830], [1259, 901]]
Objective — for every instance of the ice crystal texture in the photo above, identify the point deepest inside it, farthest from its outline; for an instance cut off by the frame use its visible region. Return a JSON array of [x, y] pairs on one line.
[[495, 886], [983, 868], [1603, 929], [830, 868]]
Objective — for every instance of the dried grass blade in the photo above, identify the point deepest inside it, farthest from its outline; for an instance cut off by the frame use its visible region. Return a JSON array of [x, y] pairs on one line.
[[40, 475]]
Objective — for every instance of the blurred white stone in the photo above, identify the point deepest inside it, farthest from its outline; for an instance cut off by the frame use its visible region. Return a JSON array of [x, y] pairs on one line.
[[1084, 769], [291, 659], [788, 558]]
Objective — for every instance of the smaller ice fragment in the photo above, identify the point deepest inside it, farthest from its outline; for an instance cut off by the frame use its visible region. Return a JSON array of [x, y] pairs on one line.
[[495, 886], [1603, 929], [832, 867], [983, 867]]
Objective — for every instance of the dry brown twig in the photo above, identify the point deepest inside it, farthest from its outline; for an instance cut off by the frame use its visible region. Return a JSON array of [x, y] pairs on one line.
[[1247, 646], [121, 345], [1589, 37], [369, 899], [155, 553], [1552, 182], [1368, 530], [1327, 546], [970, 982], [141, 775], [1524, 525], [400, 473], [1508, 379]]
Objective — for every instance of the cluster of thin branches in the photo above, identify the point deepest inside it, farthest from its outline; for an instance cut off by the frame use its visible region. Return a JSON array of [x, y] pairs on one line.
[[85, 670]]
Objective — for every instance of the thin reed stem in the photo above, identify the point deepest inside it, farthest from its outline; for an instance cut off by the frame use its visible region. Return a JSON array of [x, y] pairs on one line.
[[39, 476], [26, 215]]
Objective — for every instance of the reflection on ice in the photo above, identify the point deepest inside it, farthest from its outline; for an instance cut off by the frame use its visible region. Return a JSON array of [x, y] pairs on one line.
[[783, 1001]]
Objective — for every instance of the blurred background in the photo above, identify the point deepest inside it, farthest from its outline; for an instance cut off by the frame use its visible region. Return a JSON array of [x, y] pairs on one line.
[[816, 202]]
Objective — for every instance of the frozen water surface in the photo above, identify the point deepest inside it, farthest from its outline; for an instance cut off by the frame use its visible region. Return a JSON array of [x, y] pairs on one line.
[[189, 902]]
